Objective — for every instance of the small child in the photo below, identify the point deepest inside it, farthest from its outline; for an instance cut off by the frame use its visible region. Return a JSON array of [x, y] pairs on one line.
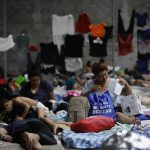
[[26, 104]]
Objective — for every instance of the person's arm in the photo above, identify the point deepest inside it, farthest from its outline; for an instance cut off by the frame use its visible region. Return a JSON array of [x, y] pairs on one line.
[[26, 107], [51, 95], [127, 90], [88, 88]]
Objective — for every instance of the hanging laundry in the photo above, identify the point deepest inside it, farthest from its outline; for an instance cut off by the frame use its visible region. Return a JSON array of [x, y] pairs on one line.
[[74, 45], [143, 43], [49, 52], [62, 25], [98, 49], [143, 46], [73, 64], [125, 45], [141, 19], [83, 22], [33, 59], [33, 48], [142, 65], [6, 43], [125, 37], [22, 41], [98, 30]]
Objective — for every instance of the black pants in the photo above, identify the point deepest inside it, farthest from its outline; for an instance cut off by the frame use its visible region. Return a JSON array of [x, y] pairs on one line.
[[31, 125]]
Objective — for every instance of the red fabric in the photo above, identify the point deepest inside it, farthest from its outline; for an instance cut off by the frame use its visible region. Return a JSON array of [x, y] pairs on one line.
[[33, 48], [82, 25], [98, 30], [93, 124], [73, 93], [2, 81], [125, 45]]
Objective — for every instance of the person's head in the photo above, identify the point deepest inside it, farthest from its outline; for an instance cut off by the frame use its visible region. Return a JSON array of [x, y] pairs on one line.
[[100, 71], [101, 60], [89, 63], [5, 105], [34, 75]]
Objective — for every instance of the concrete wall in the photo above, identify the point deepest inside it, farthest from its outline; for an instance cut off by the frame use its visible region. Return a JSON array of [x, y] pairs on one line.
[[34, 16]]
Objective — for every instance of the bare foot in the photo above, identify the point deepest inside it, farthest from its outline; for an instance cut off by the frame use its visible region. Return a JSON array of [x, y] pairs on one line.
[[7, 138], [32, 141]]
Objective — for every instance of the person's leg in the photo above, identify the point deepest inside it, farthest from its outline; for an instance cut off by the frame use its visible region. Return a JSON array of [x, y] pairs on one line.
[[32, 141], [53, 125], [44, 132]]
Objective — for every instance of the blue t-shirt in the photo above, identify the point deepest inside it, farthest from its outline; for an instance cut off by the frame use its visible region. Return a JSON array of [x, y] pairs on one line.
[[42, 95], [141, 19]]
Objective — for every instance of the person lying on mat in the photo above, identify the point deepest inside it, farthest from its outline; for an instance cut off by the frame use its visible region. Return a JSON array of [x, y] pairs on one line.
[[30, 133], [27, 103]]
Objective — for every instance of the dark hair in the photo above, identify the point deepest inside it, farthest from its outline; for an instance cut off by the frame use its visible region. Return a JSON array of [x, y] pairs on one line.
[[88, 63], [34, 71], [3, 101], [99, 67], [101, 60]]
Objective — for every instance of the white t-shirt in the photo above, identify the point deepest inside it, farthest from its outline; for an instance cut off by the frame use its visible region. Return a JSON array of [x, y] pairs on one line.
[[112, 82]]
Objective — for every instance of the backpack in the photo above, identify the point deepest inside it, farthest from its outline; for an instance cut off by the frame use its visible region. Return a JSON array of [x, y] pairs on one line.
[[78, 108]]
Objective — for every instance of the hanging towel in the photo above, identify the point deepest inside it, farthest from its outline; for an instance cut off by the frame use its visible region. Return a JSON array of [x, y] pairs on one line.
[[6, 43]]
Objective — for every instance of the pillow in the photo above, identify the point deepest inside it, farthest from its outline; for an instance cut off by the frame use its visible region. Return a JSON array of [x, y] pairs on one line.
[[93, 124]]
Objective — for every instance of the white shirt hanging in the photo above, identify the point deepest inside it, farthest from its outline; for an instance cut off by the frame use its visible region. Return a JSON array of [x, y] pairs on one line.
[[6, 43]]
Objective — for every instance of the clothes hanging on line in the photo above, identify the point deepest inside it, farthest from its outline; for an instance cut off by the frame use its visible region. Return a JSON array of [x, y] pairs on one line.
[[121, 29], [125, 37], [98, 30], [22, 41], [98, 48], [33, 59], [73, 64], [143, 42], [74, 45], [82, 24], [6, 43], [62, 25], [49, 52], [141, 19]]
